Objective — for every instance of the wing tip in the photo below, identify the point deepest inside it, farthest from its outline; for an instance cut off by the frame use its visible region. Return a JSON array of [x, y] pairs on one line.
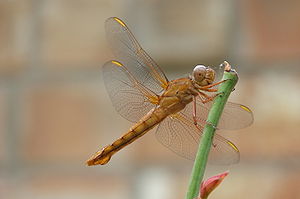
[[118, 20], [233, 146], [246, 108], [119, 64]]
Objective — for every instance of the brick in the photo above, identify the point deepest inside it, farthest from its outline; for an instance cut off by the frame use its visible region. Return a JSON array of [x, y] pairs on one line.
[[71, 185], [287, 186], [63, 122], [273, 134], [3, 122], [73, 36], [272, 36], [15, 35], [262, 179], [196, 34], [7, 187]]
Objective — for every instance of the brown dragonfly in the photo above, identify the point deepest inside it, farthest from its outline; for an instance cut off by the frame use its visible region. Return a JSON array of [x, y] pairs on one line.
[[141, 93]]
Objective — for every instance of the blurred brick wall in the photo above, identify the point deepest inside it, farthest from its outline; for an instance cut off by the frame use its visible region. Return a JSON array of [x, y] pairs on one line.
[[55, 112]]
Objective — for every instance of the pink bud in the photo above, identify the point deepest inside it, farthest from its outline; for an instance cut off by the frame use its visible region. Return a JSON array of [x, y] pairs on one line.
[[210, 184]]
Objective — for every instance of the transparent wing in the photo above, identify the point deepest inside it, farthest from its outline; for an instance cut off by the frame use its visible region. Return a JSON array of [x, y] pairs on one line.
[[234, 116], [219, 71], [130, 99], [129, 52], [179, 134], [223, 152]]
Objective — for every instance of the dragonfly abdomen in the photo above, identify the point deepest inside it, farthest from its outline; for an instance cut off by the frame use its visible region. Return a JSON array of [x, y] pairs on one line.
[[154, 117]]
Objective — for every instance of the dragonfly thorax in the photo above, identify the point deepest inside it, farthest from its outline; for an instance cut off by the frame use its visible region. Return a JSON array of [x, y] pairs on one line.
[[203, 75]]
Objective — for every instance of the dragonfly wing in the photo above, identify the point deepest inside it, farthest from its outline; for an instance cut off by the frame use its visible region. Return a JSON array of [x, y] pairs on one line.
[[219, 71], [223, 152], [131, 99], [129, 52], [178, 133], [234, 116]]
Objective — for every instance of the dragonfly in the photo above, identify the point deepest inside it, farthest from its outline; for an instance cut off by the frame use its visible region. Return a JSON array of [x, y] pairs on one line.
[[141, 93]]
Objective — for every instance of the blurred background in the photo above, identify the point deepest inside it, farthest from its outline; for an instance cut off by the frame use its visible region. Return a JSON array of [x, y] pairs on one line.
[[55, 112]]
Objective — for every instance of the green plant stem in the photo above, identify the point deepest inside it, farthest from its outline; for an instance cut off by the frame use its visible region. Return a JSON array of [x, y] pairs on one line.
[[209, 131]]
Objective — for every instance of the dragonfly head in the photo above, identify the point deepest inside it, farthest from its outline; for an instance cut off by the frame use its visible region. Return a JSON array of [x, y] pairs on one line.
[[203, 75]]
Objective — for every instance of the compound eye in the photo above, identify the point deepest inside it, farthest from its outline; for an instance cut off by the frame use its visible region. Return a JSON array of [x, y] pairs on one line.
[[199, 73], [210, 76]]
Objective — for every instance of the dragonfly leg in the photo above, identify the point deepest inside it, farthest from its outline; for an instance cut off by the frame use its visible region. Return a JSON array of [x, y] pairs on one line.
[[215, 84], [207, 98], [195, 114], [203, 95], [209, 89]]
